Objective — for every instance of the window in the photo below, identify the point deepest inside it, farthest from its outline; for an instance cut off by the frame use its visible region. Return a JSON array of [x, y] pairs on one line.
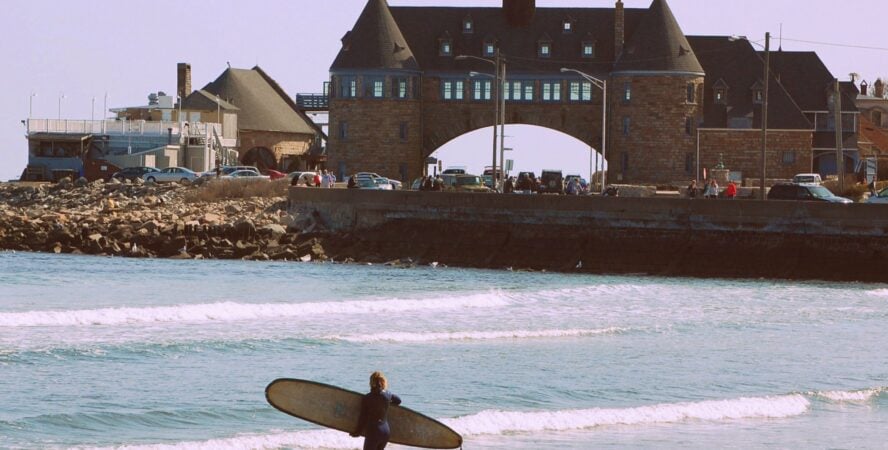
[[374, 87], [877, 118], [689, 163], [343, 131], [545, 50], [468, 26], [789, 157], [400, 88], [757, 96], [689, 126], [692, 93], [348, 87], [489, 49], [452, 89], [402, 131], [627, 123], [588, 49], [567, 26], [402, 170], [580, 91], [624, 162], [551, 91], [627, 92], [519, 91], [721, 97], [481, 89], [445, 47]]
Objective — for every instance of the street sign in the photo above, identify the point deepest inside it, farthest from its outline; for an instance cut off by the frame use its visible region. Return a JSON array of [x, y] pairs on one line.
[[509, 164]]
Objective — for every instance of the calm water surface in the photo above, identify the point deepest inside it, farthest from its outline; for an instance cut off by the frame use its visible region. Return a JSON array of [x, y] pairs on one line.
[[156, 354]]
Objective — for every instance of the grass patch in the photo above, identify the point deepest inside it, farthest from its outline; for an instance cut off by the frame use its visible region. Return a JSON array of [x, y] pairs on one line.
[[215, 190]]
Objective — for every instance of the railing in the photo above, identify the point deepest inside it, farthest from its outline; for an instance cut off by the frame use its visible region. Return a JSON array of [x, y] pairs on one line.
[[120, 127], [313, 102]]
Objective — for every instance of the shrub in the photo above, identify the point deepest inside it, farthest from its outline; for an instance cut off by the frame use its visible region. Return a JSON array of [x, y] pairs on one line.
[[215, 190]]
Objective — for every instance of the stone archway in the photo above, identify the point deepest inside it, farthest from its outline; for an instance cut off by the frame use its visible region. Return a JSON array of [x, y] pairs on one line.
[[260, 157]]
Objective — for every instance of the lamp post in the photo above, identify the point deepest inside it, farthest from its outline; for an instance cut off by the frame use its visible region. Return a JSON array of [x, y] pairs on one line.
[[92, 116], [600, 84], [31, 105], [497, 63], [767, 76], [61, 96]]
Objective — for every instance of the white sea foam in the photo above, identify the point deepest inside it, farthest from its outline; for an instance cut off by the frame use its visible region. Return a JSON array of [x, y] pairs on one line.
[[500, 422], [878, 292], [505, 422], [474, 335], [231, 311], [863, 395]]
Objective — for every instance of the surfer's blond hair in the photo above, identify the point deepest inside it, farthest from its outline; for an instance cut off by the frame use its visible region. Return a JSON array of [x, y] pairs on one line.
[[378, 381]]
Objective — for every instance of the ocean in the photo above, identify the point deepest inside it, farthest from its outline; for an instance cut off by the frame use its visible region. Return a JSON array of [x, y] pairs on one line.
[[157, 354]]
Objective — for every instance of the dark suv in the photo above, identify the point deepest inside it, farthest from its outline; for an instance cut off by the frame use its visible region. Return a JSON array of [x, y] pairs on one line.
[[804, 192], [131, 173], [552, 182], [526, 182]]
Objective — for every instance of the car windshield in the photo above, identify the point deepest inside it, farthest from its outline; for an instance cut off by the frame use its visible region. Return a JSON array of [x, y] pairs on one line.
[[884, 193], [381, 180], [468, 181], [820, 192], [366, 182]]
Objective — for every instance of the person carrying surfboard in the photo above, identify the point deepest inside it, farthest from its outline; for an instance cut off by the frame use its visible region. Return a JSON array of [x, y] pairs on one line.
[[373, 421]]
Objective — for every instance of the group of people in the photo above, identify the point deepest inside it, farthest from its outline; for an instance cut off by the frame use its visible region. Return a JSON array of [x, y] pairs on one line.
[[430, 183], [324, 179], [712, 190]]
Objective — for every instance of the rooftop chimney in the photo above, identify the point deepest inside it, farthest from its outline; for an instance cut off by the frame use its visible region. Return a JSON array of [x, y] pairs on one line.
[[879, 89], [864, 88], [519, 13], [183, 85], [619, 28]]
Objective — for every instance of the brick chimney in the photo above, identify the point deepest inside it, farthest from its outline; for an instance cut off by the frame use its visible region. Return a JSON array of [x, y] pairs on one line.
[[619, 28], [879, 89], [864, 88], [183, 84], [519, 13]]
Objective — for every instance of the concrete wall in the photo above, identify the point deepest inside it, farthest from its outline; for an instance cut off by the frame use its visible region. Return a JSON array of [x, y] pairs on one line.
[[345, 209]]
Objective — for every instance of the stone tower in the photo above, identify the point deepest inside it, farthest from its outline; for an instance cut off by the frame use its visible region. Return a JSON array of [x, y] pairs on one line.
[[375, 109], [656, 89]]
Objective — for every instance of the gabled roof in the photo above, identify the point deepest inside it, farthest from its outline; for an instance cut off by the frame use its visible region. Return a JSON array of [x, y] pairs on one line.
[[873, 135], [658, 45], [201, 100], [262, 105], [808, 80], [375, 42], [736, 64]]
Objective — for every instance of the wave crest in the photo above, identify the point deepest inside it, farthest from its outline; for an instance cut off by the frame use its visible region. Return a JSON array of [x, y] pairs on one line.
[[474, 335]]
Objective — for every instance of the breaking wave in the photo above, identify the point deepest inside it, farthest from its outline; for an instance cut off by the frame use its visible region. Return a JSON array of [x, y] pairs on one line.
[[859, 396], [232, 312], [475, 335]]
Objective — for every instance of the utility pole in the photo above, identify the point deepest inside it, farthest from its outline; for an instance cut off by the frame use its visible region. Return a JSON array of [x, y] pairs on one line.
[[840, 144], [496, 96], [502, 160], [762, 195]]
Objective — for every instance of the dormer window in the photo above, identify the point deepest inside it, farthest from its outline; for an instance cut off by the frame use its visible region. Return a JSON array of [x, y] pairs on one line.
[[567, 25], [445, 45], [720, 92], [489, 48], [468, 26], [544, 47]]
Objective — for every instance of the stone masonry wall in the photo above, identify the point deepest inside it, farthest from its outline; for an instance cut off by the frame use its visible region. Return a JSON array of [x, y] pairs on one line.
[[280, 144], [740, 150]]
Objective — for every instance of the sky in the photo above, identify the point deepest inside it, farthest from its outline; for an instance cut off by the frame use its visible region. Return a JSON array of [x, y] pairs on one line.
[[85, 49]]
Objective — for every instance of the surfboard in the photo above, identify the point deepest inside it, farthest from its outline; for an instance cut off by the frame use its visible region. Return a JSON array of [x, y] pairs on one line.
[[337, 408]]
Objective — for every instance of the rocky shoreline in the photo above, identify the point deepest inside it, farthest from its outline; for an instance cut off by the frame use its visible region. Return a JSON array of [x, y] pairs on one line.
[[156, 221]]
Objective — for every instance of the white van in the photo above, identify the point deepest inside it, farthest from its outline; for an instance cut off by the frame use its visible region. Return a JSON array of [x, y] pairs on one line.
[[807, 178]]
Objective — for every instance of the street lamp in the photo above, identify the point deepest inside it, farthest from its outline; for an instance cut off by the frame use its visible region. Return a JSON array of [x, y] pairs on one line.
[[31, 105], [767, 77], [500, 75], [600, 84], [61, 97]]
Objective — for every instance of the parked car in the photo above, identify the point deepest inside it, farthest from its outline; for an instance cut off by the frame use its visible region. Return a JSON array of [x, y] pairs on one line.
[[454, 171], [804, 192], [469, 183], [131, 173], [880, 198], [171, 174], [526, 182], [225, 171], [583, 183], [383, 183], [807, 178], [301, 178], [273, 174], [551, 182], [246, 175]]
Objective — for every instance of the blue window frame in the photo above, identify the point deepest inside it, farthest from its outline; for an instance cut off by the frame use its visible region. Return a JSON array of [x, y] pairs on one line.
[[481, 90], [551, 91], [627, 92], [374, 87], [348, 87], [627, 124], [519, 91], [580, 91], [452, 89], [400, 88]]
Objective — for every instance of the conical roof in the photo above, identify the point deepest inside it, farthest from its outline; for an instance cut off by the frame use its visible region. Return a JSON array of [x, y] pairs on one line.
[[658, 45], [375, 42]]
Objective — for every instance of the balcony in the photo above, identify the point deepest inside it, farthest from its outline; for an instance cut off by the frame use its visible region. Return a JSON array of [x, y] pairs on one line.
[[313, 102]]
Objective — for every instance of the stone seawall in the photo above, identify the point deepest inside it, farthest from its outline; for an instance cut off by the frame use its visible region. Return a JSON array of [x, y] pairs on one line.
[[674, 237]]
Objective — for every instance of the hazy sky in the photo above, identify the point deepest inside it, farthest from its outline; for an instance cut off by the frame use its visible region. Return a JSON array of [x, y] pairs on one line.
[[84, 49]]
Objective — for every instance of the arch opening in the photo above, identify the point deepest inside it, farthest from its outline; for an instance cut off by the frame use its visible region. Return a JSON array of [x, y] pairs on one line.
[[260, 157]]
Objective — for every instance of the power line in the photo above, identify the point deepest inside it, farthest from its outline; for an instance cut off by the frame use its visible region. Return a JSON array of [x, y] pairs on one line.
[[833, 44]]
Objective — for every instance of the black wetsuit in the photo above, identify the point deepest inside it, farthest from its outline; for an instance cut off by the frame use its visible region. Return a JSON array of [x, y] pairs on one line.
[[373, 422]]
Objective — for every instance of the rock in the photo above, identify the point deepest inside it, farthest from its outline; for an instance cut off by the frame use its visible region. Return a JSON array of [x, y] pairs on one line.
[[233, 209], [306, 258], [274, 231], [81, 182], [65, 183], [211, 218]]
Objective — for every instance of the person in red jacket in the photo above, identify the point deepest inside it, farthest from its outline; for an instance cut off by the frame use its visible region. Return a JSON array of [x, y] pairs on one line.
[[317, 179], [731, 190]]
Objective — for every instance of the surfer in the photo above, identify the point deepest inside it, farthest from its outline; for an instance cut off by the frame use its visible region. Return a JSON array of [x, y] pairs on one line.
[[373, 421]]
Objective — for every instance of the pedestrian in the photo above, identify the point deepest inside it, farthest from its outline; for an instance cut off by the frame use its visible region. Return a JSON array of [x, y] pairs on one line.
[[731, 190], [332, 179], [317, 179], [326, 182], [373, 420], [438, 184], [427, 184], [692, 189], [352, 182], [509, 185], [711, 190]]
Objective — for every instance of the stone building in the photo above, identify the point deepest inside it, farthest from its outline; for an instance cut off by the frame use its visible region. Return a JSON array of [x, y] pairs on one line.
[[271, 131], [400, 90]]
